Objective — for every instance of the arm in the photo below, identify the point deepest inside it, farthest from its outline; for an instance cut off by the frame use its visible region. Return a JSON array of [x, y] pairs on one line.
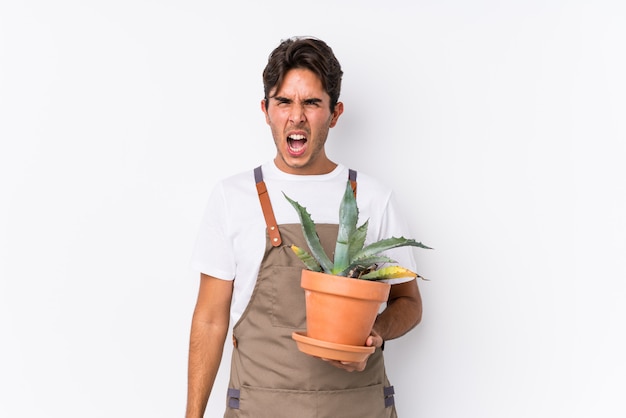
[[402, 314], [209, 327]]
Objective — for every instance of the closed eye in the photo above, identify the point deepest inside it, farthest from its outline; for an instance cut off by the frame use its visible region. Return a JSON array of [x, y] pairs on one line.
[[312, 102], [282, 100]]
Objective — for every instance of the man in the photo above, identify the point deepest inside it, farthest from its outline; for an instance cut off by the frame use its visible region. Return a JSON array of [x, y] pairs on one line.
[[250, 276]]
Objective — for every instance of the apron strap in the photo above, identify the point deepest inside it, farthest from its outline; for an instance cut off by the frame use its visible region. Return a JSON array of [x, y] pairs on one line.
[[352, 178], [266, 205]]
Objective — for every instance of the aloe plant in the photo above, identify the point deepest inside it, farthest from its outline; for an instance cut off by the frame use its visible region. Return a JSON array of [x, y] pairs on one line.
[[352, 257]]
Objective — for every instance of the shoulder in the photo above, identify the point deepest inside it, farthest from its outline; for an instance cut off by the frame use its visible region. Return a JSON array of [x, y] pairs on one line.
[[237, 180], [235, 186], [232, 194], [370, 188], [371, 181]]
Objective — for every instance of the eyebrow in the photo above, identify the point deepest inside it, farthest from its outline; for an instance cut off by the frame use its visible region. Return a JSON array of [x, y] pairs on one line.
[[282, 99]]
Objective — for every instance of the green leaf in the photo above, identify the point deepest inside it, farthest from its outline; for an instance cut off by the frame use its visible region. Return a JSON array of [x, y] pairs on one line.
[[348, 215], [306, 258], [357, 241], [311, 237], [387, 244]]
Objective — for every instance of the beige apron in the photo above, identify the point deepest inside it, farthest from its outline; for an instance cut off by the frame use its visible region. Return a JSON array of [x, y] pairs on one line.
[[269, 377]]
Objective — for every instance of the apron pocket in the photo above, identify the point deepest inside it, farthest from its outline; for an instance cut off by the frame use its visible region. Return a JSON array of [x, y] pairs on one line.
[[288, 306], [367, 402]]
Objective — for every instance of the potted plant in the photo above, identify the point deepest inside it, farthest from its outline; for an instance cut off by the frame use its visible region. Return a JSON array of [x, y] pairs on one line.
[[343, 296]]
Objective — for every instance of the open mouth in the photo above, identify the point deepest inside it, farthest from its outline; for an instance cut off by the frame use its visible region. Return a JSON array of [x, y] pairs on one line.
[[296, 144]]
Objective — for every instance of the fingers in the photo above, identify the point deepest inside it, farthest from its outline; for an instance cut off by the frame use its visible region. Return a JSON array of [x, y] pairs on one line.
[[374, 340], [348, 366]]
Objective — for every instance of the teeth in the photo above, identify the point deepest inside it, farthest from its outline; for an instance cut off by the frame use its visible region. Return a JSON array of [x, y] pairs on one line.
[[296, 137]]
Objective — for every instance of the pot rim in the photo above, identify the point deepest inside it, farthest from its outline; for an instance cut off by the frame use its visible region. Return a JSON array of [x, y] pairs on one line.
[[345, 286]]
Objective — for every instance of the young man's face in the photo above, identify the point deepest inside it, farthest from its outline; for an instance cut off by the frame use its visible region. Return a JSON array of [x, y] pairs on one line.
[[299, 116]]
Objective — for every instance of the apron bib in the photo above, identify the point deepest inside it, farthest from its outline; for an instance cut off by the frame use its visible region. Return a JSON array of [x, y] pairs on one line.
[[270, 377]]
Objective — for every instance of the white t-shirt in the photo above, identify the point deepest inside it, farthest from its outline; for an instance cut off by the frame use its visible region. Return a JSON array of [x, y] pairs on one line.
[[231, 241]]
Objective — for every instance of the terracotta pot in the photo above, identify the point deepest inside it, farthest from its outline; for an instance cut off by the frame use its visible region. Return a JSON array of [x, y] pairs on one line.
[[341, 310]]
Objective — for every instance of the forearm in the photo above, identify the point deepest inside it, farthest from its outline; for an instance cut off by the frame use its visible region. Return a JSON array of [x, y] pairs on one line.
[[403, 312], [205, 353]]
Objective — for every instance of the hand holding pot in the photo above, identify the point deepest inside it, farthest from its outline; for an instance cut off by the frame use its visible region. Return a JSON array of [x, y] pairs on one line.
[[374, 340]]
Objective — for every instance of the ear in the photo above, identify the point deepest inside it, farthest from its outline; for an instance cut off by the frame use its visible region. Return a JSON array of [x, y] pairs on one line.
[[336, 113], [264, 109]]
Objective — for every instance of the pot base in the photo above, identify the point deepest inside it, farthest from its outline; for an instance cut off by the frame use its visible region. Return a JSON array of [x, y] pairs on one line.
[[331, 351]]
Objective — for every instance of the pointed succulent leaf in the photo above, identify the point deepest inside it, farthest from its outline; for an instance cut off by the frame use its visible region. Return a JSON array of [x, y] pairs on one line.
[[391, 272], [357, 241], [311, 237], [348, 215], [308, 260], [387, 244]]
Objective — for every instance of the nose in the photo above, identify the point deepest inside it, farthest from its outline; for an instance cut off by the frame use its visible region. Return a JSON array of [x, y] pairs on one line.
[[296, 114]]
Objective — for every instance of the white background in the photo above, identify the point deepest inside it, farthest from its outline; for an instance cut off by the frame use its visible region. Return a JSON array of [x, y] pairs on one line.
[[500, 124]]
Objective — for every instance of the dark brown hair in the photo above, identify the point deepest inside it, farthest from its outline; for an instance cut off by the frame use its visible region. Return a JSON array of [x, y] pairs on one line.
[[308, 53]]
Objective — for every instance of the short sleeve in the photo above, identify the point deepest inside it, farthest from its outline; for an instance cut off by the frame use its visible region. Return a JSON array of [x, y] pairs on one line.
[[393, 224], [213, 251]]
